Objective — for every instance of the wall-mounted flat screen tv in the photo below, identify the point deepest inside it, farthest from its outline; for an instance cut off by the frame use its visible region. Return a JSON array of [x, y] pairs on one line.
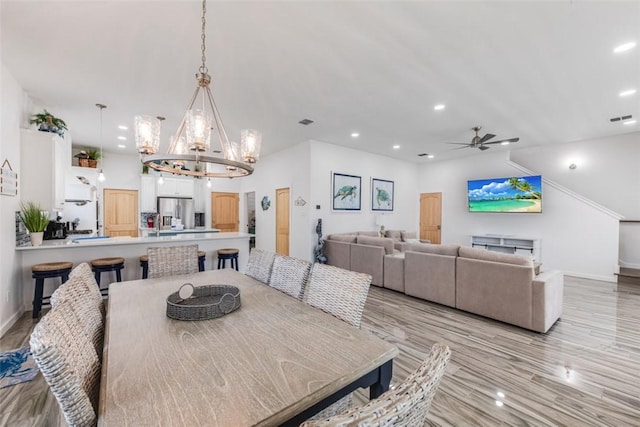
[[511, 194]]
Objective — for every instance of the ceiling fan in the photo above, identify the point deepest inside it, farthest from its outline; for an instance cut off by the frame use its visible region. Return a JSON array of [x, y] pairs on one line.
[[481, 142]]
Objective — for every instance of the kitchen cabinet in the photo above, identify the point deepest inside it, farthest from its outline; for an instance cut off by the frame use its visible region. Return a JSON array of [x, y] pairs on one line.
[[148, 194], [45, 158], [176, 187]]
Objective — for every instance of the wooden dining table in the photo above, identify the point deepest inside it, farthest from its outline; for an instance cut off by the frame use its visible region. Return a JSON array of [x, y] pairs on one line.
[[274, 361]]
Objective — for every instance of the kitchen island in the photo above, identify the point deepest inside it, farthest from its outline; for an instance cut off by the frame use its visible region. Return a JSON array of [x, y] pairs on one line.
[[78, 250]]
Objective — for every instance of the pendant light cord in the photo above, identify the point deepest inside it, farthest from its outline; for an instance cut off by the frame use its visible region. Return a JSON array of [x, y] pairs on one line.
[[203, 67]]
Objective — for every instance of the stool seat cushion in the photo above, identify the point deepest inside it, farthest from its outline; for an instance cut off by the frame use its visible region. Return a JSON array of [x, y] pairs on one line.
[[106, 261], [144, 258], [202, 253], [52, 266], [228, 251]]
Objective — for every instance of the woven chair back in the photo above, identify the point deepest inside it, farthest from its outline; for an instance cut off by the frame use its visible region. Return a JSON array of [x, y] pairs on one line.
[[69, 363], [259, 265], [339, 292], [167, 261], [407, 405], [290, 275], [76, 292], [83, 271]]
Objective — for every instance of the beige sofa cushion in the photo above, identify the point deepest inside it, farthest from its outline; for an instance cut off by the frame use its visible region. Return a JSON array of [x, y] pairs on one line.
[[485, 255], [368, 233], [347, 238], [451, 250], [405, 236], [384, 242]]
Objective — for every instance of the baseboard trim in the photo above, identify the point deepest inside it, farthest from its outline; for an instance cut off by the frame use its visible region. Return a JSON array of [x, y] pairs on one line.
[[10, 322], [629, 265], [611, 278]]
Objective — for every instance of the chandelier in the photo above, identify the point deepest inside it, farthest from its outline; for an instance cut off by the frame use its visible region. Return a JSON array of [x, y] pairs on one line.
[[188, 151]]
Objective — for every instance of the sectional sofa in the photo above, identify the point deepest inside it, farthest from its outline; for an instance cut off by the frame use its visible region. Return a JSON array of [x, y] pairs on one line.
[[500, 286]]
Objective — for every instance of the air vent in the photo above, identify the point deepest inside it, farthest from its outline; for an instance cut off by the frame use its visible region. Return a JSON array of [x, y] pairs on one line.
[[422, 154], [217, 151], [617, 119], [305, 122]]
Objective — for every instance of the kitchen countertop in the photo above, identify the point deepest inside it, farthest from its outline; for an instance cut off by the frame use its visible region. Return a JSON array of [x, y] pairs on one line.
[[168, 231], [186, 236]]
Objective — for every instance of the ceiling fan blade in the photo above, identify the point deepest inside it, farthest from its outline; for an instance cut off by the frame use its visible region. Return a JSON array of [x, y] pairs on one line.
[[459, 148], [487, 137], [504, 140], [459, 143], [482, 147]]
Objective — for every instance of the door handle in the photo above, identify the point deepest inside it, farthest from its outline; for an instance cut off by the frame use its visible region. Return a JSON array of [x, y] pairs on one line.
[[438, 227]]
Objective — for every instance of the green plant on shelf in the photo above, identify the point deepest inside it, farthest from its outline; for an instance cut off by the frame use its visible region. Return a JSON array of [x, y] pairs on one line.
[[93, 153], [47, 122], [33, 217]]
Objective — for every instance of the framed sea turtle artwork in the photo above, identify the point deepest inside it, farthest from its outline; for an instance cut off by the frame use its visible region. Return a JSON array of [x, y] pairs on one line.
[[381, 195], [347, 192]]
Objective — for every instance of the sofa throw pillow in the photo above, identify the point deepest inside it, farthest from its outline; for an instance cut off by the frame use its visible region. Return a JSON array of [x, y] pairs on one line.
[[408, 236], [394, 234], [486, 255]]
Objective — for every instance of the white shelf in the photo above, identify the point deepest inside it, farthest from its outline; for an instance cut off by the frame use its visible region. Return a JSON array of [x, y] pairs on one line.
[[510, 244]]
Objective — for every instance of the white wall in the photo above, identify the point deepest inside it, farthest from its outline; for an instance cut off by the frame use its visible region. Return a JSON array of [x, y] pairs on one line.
[[575, 237], [608, 169], [285, 169], [12, 116], [328, 158]]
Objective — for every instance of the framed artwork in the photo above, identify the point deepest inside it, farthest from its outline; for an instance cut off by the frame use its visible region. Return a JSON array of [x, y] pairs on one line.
[[381, 195], [347, 192]]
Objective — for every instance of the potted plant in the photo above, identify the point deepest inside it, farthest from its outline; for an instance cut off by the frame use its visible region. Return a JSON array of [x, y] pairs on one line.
[[35, 220], [47, 122], [94, 156]]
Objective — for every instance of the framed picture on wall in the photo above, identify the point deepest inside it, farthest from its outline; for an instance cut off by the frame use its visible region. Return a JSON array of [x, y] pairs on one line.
[[347, 192], [381, 195]]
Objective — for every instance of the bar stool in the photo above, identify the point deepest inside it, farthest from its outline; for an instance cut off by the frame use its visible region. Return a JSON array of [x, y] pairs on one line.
[[144, 263], [228, 254], [46, 271], [102, 265], [201, 258]]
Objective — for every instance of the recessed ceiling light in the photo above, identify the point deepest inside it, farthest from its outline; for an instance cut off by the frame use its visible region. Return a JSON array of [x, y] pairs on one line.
[[122, 146], [354, 134], [123, 127], [504, 143], [439, 107], [624, 47], [499, 403], [430, 156], [630, 122], [627, 92], [122, 138], [500, 394], [395, 147]]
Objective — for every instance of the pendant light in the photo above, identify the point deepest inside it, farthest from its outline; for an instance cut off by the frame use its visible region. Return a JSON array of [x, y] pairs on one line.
[[101, 176]]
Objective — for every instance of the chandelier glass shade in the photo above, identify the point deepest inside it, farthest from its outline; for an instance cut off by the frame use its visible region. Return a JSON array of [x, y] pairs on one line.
[[188, 153]]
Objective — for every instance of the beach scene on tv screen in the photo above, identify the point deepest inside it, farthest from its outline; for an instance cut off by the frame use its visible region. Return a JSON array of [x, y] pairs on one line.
[[515, 194]]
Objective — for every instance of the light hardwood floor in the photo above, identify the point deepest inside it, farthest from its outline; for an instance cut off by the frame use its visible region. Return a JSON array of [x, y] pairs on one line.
[[584, 371]]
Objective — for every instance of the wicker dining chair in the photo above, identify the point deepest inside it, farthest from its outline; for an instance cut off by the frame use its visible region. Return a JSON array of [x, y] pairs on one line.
[[75, 291], [405, 405], [83, 271], [172, 260], [259, 265], [338, 291], [290, 275], [69, 363]]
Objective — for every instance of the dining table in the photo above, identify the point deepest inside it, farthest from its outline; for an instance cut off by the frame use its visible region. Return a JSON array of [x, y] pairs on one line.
[[274, 361]]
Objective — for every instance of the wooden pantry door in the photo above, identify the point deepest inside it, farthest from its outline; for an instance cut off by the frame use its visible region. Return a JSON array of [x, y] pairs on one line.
[[282, 221], [120, 212], [430, 216], [225, 211]]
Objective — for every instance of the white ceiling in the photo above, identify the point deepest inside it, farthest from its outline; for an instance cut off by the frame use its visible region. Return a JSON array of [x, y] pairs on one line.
[[543, 71]]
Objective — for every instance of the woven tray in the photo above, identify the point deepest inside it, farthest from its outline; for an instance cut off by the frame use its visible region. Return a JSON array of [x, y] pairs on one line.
[[202, 302]]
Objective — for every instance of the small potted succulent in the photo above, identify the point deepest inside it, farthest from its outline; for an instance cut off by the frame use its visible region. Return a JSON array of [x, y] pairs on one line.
[[94, 156], [35, 220], [47, 122]]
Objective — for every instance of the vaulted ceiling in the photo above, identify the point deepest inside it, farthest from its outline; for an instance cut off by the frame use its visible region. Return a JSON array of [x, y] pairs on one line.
[[543, 71]]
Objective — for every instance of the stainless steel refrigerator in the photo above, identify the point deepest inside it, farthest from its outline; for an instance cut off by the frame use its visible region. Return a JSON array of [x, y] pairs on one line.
[[176, 208]]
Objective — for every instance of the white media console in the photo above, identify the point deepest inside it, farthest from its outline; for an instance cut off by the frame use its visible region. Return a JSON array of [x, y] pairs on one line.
[[510, 244]]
